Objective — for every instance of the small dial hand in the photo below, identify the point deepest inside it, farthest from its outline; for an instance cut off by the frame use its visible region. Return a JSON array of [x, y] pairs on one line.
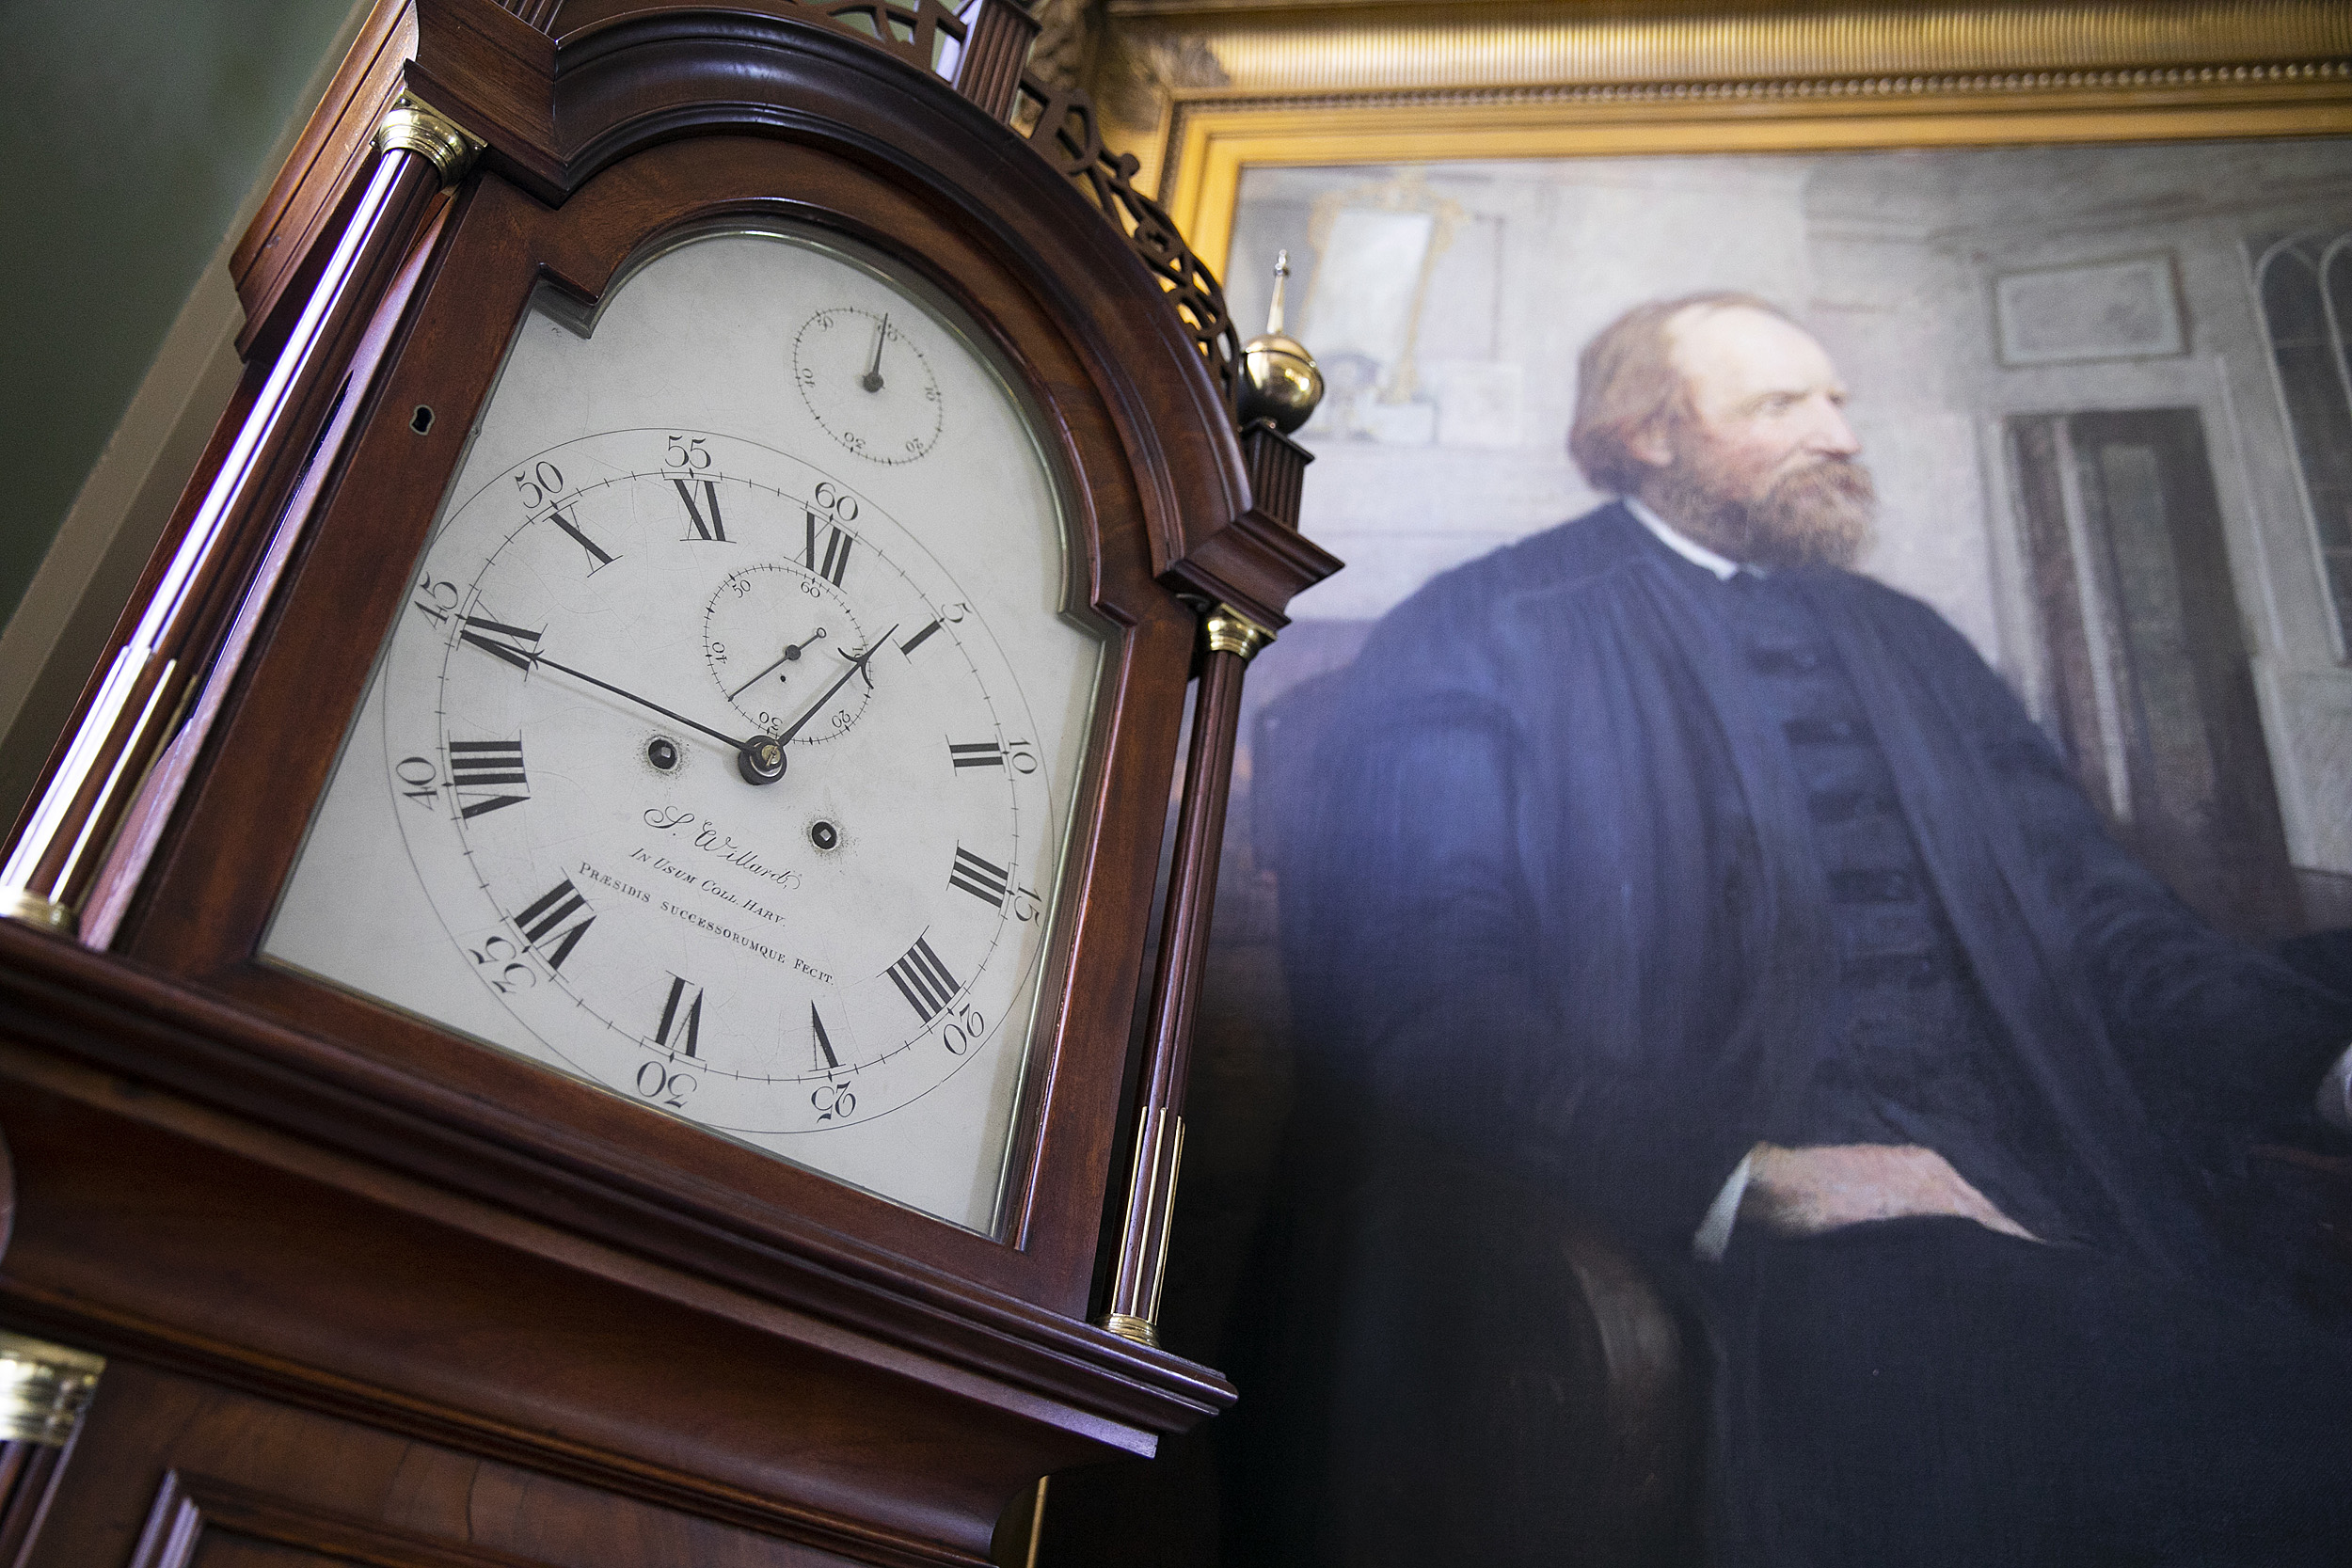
[[857, 667], [872, 379], [791, 652]]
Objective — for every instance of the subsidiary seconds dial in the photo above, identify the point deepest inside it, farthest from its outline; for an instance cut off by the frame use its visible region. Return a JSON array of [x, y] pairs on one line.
[[784, 645], [867, 382]]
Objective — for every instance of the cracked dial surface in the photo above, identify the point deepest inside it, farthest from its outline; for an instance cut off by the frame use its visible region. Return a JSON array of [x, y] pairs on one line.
[[659, 555]]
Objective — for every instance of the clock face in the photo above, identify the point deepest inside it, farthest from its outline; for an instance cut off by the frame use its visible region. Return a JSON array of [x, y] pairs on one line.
[[723, 754]]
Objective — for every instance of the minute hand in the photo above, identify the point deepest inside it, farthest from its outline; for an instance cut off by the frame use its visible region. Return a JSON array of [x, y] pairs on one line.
[[726, 740], [857, 667]]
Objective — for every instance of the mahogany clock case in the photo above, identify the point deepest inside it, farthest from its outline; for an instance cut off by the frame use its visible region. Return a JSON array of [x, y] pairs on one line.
[[380, 1277], [924, 179]]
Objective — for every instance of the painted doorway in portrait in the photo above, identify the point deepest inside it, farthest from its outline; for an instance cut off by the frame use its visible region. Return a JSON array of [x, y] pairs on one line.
[[2155, 699]]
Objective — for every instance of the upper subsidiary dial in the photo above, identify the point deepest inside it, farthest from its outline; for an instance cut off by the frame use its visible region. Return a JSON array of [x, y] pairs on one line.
[[869, 385]]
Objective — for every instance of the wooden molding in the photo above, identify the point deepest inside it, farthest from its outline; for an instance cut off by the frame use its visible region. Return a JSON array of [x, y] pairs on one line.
[[365, 1131], [192, 1513]]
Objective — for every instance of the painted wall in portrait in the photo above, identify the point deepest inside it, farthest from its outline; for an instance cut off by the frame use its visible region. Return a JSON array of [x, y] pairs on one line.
[[2093, 383], [1966, 295]]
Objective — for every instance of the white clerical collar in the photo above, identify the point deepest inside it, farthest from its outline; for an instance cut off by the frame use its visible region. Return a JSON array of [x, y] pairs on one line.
[[1689, 549]]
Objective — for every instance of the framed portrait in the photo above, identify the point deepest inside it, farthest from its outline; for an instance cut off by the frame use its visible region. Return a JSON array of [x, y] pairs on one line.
[[2084, 304]]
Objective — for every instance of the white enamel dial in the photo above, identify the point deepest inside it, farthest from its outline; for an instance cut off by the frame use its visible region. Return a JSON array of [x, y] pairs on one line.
[[716, 766]]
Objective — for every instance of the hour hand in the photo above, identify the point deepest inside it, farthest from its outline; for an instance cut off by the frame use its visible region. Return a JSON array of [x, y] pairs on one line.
[[858, 663]]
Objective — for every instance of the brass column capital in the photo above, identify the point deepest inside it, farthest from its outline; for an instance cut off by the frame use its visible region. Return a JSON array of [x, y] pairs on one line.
[[23, 904], [412, 125], [44, 1388], [1232, 632]]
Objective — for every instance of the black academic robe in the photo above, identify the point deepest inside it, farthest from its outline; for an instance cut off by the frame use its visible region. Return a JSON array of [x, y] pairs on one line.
[[1557, 901], [1558, 944]]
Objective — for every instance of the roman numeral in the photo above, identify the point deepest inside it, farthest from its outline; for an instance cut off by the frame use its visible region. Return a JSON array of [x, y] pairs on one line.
[[479, 767], [837, 551], [712, 530], [915, 642], [823, 1041], [923, 980], [979, 877], [682, 1025], [544, 920], [978, 754], [603, 557], [517, 645]]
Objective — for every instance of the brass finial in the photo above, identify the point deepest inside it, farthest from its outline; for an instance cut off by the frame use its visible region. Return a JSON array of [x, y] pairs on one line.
[[1279, 380]]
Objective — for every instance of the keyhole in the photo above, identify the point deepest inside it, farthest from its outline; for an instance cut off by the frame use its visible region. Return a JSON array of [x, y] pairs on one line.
[[421, 420]]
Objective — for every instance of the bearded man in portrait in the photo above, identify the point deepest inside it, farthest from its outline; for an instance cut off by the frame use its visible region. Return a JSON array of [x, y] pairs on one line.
[[1665, 862]]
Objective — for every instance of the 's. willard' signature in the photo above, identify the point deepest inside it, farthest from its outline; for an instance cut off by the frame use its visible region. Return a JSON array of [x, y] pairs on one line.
[[712, 840]]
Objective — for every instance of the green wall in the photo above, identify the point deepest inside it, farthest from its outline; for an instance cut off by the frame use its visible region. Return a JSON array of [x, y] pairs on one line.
[[130, 131]]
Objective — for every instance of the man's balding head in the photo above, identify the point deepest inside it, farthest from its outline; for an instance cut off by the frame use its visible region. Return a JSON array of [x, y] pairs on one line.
[[1727, 418], [1627, 383]]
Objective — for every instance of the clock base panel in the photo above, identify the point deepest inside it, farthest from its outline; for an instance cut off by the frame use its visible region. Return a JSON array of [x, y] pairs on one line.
[[314, 1356]]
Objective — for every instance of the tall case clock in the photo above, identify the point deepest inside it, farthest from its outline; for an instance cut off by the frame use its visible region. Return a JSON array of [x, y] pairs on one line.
[[569, 997]]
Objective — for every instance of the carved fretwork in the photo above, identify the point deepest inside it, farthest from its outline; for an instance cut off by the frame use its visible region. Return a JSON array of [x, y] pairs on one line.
[[1067, 133], [909, 32]]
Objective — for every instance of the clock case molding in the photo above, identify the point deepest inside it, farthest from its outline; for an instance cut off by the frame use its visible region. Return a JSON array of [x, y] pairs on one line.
[[249, 1183]]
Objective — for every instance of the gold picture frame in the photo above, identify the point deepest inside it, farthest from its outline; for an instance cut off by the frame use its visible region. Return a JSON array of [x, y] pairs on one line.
[[1430, 82]]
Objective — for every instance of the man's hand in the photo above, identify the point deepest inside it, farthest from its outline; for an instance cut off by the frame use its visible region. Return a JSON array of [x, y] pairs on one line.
[[1804, 1192]]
